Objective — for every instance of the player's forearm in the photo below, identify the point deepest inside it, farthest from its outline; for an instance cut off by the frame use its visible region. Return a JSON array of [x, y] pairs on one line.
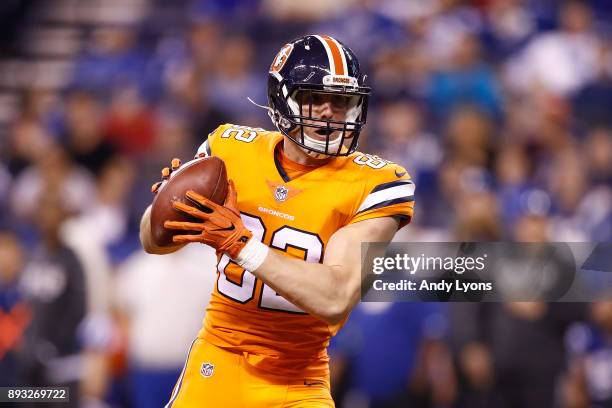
[[321, 290], [146, 239]]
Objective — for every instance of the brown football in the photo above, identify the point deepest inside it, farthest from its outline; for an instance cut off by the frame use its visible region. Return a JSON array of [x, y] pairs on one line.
[[206, 176]]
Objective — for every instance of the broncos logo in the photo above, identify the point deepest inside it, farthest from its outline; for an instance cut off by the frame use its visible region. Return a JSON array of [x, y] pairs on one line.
[[281, 58]]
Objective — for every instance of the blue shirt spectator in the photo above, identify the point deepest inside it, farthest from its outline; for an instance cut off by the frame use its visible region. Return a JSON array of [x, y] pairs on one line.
[[381, 343], [465, 80], [112, 61]]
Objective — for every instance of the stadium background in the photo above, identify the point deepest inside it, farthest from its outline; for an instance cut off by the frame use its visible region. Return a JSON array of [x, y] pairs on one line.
[[500, 110]]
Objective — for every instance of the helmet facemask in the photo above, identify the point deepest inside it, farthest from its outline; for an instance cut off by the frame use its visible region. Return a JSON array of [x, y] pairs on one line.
[[308, 73], [332, 137]]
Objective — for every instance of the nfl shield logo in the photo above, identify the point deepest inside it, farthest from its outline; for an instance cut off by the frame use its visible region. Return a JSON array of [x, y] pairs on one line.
[[207, 370], [281, 193]]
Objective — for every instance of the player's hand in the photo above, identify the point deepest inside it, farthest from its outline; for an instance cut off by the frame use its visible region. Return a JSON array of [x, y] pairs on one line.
[[166, 172], [221, 228]]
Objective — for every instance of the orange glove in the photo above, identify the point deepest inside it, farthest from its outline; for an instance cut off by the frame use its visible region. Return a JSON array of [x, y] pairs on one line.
[[166, 172], [221, 225]]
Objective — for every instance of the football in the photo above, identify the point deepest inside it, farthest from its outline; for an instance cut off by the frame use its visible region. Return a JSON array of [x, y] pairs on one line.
[[206, 176]]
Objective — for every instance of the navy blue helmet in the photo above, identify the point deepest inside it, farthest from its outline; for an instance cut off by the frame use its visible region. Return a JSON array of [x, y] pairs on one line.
[[303, 71]]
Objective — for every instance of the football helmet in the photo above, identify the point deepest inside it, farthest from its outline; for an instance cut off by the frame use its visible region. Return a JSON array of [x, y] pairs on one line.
[[306, 71]]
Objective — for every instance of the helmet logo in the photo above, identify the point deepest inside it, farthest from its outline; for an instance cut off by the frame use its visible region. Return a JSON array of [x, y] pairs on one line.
[[281, 58]]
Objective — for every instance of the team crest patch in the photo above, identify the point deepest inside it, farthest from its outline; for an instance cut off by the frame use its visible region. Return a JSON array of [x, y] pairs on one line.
[[281, 193], [207, 370]]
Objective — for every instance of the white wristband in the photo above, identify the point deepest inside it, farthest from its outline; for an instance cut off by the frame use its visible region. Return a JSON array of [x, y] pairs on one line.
[[252, 255]]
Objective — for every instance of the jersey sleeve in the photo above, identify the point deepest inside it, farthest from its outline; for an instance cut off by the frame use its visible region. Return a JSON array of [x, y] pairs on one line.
[[210, 146], [389, 192], [230, 141]]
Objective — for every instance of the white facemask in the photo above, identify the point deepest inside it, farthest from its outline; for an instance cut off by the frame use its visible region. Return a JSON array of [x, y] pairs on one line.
[[319, 145]]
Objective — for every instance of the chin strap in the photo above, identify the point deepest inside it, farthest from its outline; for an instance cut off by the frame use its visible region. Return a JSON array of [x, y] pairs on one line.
[[267, 108], [259, 105], [274, 115]]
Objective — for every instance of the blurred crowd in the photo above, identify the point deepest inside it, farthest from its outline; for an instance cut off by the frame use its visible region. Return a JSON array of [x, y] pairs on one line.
[[499, 109]]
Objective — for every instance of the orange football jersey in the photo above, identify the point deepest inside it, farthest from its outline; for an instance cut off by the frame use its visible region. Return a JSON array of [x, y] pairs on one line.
[[296, 217]]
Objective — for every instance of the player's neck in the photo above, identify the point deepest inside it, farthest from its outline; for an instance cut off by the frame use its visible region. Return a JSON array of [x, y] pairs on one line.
[[294, 153]]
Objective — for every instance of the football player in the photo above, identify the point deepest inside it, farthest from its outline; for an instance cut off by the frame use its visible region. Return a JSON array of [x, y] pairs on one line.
[[301, 201]]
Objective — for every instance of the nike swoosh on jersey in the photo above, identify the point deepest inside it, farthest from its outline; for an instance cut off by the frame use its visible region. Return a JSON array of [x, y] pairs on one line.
[[400, 174]]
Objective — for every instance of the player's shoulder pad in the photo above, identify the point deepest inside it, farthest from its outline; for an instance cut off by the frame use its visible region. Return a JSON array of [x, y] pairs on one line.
[[225, 135], [386, 182]]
